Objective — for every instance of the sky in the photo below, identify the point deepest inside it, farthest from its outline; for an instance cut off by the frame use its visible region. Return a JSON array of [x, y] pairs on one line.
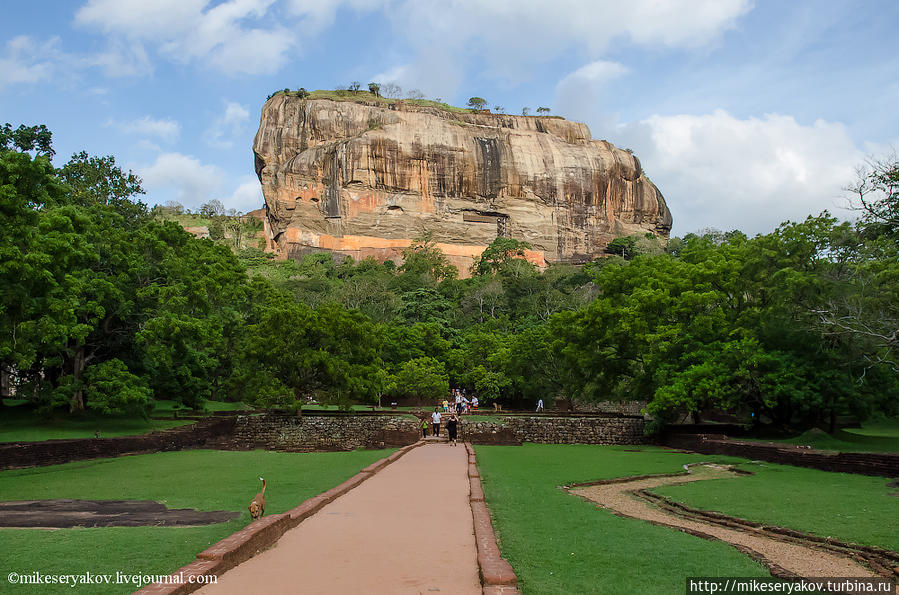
[[744, 113]]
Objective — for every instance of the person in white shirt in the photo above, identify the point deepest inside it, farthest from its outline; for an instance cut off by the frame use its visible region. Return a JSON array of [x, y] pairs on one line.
[[435, 422], [474, 403], [539, 405]]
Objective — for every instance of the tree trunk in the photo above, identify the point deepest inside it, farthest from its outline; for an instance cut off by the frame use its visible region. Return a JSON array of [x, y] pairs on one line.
[[77, 403], [5, 382]]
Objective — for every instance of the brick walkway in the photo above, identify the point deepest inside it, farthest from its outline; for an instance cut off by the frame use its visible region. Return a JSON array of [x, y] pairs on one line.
[[408, 529]]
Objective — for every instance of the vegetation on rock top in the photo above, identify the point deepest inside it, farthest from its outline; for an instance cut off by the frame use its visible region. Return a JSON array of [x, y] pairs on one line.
[[397, 96]]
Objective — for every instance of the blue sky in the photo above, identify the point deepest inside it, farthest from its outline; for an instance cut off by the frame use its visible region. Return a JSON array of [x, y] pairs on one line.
[[745, 114]]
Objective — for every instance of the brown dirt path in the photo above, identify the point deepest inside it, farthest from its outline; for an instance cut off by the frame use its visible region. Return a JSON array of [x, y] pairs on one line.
[[407, 529], [801, 560]]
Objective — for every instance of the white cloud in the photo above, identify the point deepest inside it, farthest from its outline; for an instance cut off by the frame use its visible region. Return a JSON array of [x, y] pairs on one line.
[[222, 35], [165, 128], [578, 93], [505, 37], [398, 74], [321, 13], [122, 59], [437, 74], [141, 19], [716, 170], [247, 196], [224, 128], [510, 36], [187, 180], [27, 61], [183, 178]]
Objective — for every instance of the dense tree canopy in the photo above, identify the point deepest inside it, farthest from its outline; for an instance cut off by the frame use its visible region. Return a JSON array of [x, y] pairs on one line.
[[107, 306]]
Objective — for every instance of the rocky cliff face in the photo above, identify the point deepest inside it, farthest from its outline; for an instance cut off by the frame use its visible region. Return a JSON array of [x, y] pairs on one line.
[[365, 180]]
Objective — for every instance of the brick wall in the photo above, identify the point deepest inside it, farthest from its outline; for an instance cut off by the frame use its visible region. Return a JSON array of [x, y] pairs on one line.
[[882, 464], [556, 430], [308, 432], [14, 455]]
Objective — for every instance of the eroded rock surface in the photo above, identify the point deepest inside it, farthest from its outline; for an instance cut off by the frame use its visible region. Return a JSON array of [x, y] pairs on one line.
[[366, 179]]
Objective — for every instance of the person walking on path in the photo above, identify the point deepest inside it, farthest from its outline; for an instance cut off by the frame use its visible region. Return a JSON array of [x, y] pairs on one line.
[[539, 405], [435, 422], [424, 427], [452, 426]]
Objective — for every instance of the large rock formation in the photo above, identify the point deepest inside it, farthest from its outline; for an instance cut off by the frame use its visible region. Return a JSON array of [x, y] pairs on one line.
[[366, 179]]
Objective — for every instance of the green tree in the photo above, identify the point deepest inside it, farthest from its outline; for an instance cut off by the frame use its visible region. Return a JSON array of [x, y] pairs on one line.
[[374, 89], [212, 208], [112, 389], [27, 138], [424, 260], [477, 103], [98, 180], [424, 379], [498, 254], [623, 246], [877, 192]]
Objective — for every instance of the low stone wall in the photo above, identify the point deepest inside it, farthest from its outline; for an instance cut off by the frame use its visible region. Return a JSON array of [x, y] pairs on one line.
[[621, 407], [556, 430], [323, 432], [15, 455], [309, 433], [863, 463]]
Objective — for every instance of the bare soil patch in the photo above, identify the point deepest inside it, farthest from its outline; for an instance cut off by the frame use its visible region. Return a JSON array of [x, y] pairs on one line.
[[787, 553], [64, 513]]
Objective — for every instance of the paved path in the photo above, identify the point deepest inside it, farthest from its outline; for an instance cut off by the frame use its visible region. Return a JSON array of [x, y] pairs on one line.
[[407, 529]]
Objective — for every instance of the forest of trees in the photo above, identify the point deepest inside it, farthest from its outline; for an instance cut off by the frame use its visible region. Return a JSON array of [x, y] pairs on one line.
[[106, 306]]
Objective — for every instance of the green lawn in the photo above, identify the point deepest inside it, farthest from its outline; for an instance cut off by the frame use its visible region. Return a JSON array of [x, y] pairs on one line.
[[201, 479], [854, 508], [488, 418], [886, 428], [22, 424], [558, 543], [879, 436], [165, 407]]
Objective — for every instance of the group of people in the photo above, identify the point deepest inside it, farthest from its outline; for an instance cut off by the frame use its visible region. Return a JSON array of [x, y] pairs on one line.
[[452, 426], [457, 404], [460, 402]]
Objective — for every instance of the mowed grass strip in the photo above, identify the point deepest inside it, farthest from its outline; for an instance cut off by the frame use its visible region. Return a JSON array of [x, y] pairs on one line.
[[200, 479], [851, 508], [22, 424], [558, 543], [876, 436]]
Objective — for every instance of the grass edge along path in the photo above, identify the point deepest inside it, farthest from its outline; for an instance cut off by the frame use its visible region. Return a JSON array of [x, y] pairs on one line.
[[558, 543], [852, 508], [201, 479]]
